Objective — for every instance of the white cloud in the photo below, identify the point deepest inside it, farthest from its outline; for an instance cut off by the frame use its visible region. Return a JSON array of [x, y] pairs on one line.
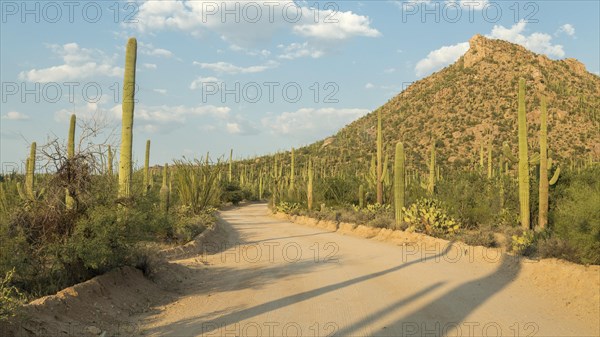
[[538, 42], [369, 86], [149, 65], [297, 50], [334, 25], [160, 91], [79, 63], [440, 58], [257, 22], [239, 125], [251, 52], [233, 128], [567, 28], [166, 118], [178, 113], [316, 122], [228, 68], [15, 116], [149, 49], [197, 83], [389, 70]]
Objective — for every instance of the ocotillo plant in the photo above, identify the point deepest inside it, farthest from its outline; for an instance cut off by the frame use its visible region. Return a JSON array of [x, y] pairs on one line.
[[309, 187], [147, 168], [523, 159], [125, 163], [544, 168], [69, 201], [399, 187], [379, 181], [164, 190]]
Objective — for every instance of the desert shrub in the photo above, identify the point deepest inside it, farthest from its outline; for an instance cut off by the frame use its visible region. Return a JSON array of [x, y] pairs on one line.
[[186, 229], [11, 298], [339, 191], [574, 215], [231, 193], [471, 198], [522, 244], [480, 237], [556, 247], [429, 217]]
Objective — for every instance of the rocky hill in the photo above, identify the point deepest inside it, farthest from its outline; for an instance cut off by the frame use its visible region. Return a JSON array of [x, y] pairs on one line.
[[474, 101]]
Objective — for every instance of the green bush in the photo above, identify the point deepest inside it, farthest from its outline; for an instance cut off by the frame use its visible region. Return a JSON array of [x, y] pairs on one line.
[[574, 215], [11, 298]]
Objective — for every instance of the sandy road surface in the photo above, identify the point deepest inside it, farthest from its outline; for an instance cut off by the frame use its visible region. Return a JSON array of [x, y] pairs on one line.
[[276, 278]]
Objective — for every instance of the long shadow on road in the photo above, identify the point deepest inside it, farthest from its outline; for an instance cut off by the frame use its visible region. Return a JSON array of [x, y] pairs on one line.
[[244, 314]]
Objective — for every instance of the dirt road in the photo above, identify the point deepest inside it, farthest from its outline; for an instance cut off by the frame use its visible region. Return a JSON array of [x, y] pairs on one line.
[[276, 278]]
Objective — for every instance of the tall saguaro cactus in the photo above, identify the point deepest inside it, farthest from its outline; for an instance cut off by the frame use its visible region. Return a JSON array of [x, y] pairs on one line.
[[399, 187], [544, 168], [125, 162], [309, 187], [230, 171], [431, 182], [30, 173], [164, 190], [361, 196], [379, 181], [147, 168], [69, 200], [292, 173], [523, 159], [109, 164], [490, 165]]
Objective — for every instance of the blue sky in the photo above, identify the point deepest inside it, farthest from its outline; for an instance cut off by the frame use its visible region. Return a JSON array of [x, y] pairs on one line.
[[317, 65]]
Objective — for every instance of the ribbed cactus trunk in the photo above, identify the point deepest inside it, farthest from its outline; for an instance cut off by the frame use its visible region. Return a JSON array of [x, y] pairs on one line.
[[431, 182], [490, 166], [481, 157], [109, 164], [361, 196], [69, 200], [147, 168], [125, 162], [260, 186], [164, 190], [523, 159], [545, 166], [292, 173], [399, 187], [379, 181], [309, 187], [30, 172], [230, 171], [543, 186]]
